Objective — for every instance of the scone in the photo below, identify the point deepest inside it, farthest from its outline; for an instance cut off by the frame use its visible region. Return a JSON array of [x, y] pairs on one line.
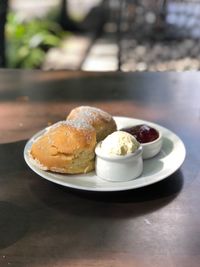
[[102, 121], [66, 147]]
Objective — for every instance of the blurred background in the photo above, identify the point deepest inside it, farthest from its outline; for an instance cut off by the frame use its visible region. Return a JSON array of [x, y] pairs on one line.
[[100, 35]]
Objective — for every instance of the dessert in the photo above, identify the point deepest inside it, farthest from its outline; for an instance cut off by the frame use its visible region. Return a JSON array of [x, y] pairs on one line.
[[119, 157], [102, 121], [143, 133], [66, 147], [119, 143], [148, 137], [69, 146]]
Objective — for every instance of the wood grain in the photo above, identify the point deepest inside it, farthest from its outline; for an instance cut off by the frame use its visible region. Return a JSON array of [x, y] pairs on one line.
[[43, 224]]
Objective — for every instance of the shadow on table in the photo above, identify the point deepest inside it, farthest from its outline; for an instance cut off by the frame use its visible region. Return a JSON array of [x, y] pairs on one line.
[[122, 204], [14, 223], [128, 203], [168, 188], [60, 206]]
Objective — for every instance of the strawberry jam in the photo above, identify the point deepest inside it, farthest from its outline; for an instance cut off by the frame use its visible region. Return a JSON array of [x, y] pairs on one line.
[[143, 133]]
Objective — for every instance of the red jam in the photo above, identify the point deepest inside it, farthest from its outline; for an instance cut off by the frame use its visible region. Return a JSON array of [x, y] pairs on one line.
[[143, 133]]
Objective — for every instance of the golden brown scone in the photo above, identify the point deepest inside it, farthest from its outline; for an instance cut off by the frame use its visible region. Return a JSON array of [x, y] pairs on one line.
[[66, 147], [102, 121]]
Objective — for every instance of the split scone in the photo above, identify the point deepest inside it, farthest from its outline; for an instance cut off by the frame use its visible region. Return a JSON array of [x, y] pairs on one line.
[[66, 147], [102, 121]]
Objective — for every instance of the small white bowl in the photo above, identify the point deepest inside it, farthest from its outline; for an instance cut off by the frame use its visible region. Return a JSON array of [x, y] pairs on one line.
[[118, 168], [151, 149]]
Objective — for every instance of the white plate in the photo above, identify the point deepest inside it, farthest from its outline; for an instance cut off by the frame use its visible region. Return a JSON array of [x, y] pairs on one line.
[[156, 169]]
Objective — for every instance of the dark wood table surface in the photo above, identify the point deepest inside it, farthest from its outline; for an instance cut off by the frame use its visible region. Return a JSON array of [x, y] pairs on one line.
[[44, 224]]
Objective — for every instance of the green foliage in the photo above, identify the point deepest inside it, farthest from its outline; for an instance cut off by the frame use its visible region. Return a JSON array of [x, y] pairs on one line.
[[27, 41]]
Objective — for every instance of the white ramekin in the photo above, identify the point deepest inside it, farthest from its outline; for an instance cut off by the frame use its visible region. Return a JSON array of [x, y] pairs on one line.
[[118, 168], [151, 149]]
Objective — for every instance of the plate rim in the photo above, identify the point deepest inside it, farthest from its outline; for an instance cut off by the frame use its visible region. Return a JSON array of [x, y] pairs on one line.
[[43, 174]]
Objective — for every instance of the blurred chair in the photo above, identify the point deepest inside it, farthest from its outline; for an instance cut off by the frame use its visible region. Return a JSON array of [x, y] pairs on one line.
[[3, 11], [93, 22], [159, 35]]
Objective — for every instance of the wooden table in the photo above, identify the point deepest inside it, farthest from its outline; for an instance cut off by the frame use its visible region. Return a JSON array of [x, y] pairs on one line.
[[43, 224]]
